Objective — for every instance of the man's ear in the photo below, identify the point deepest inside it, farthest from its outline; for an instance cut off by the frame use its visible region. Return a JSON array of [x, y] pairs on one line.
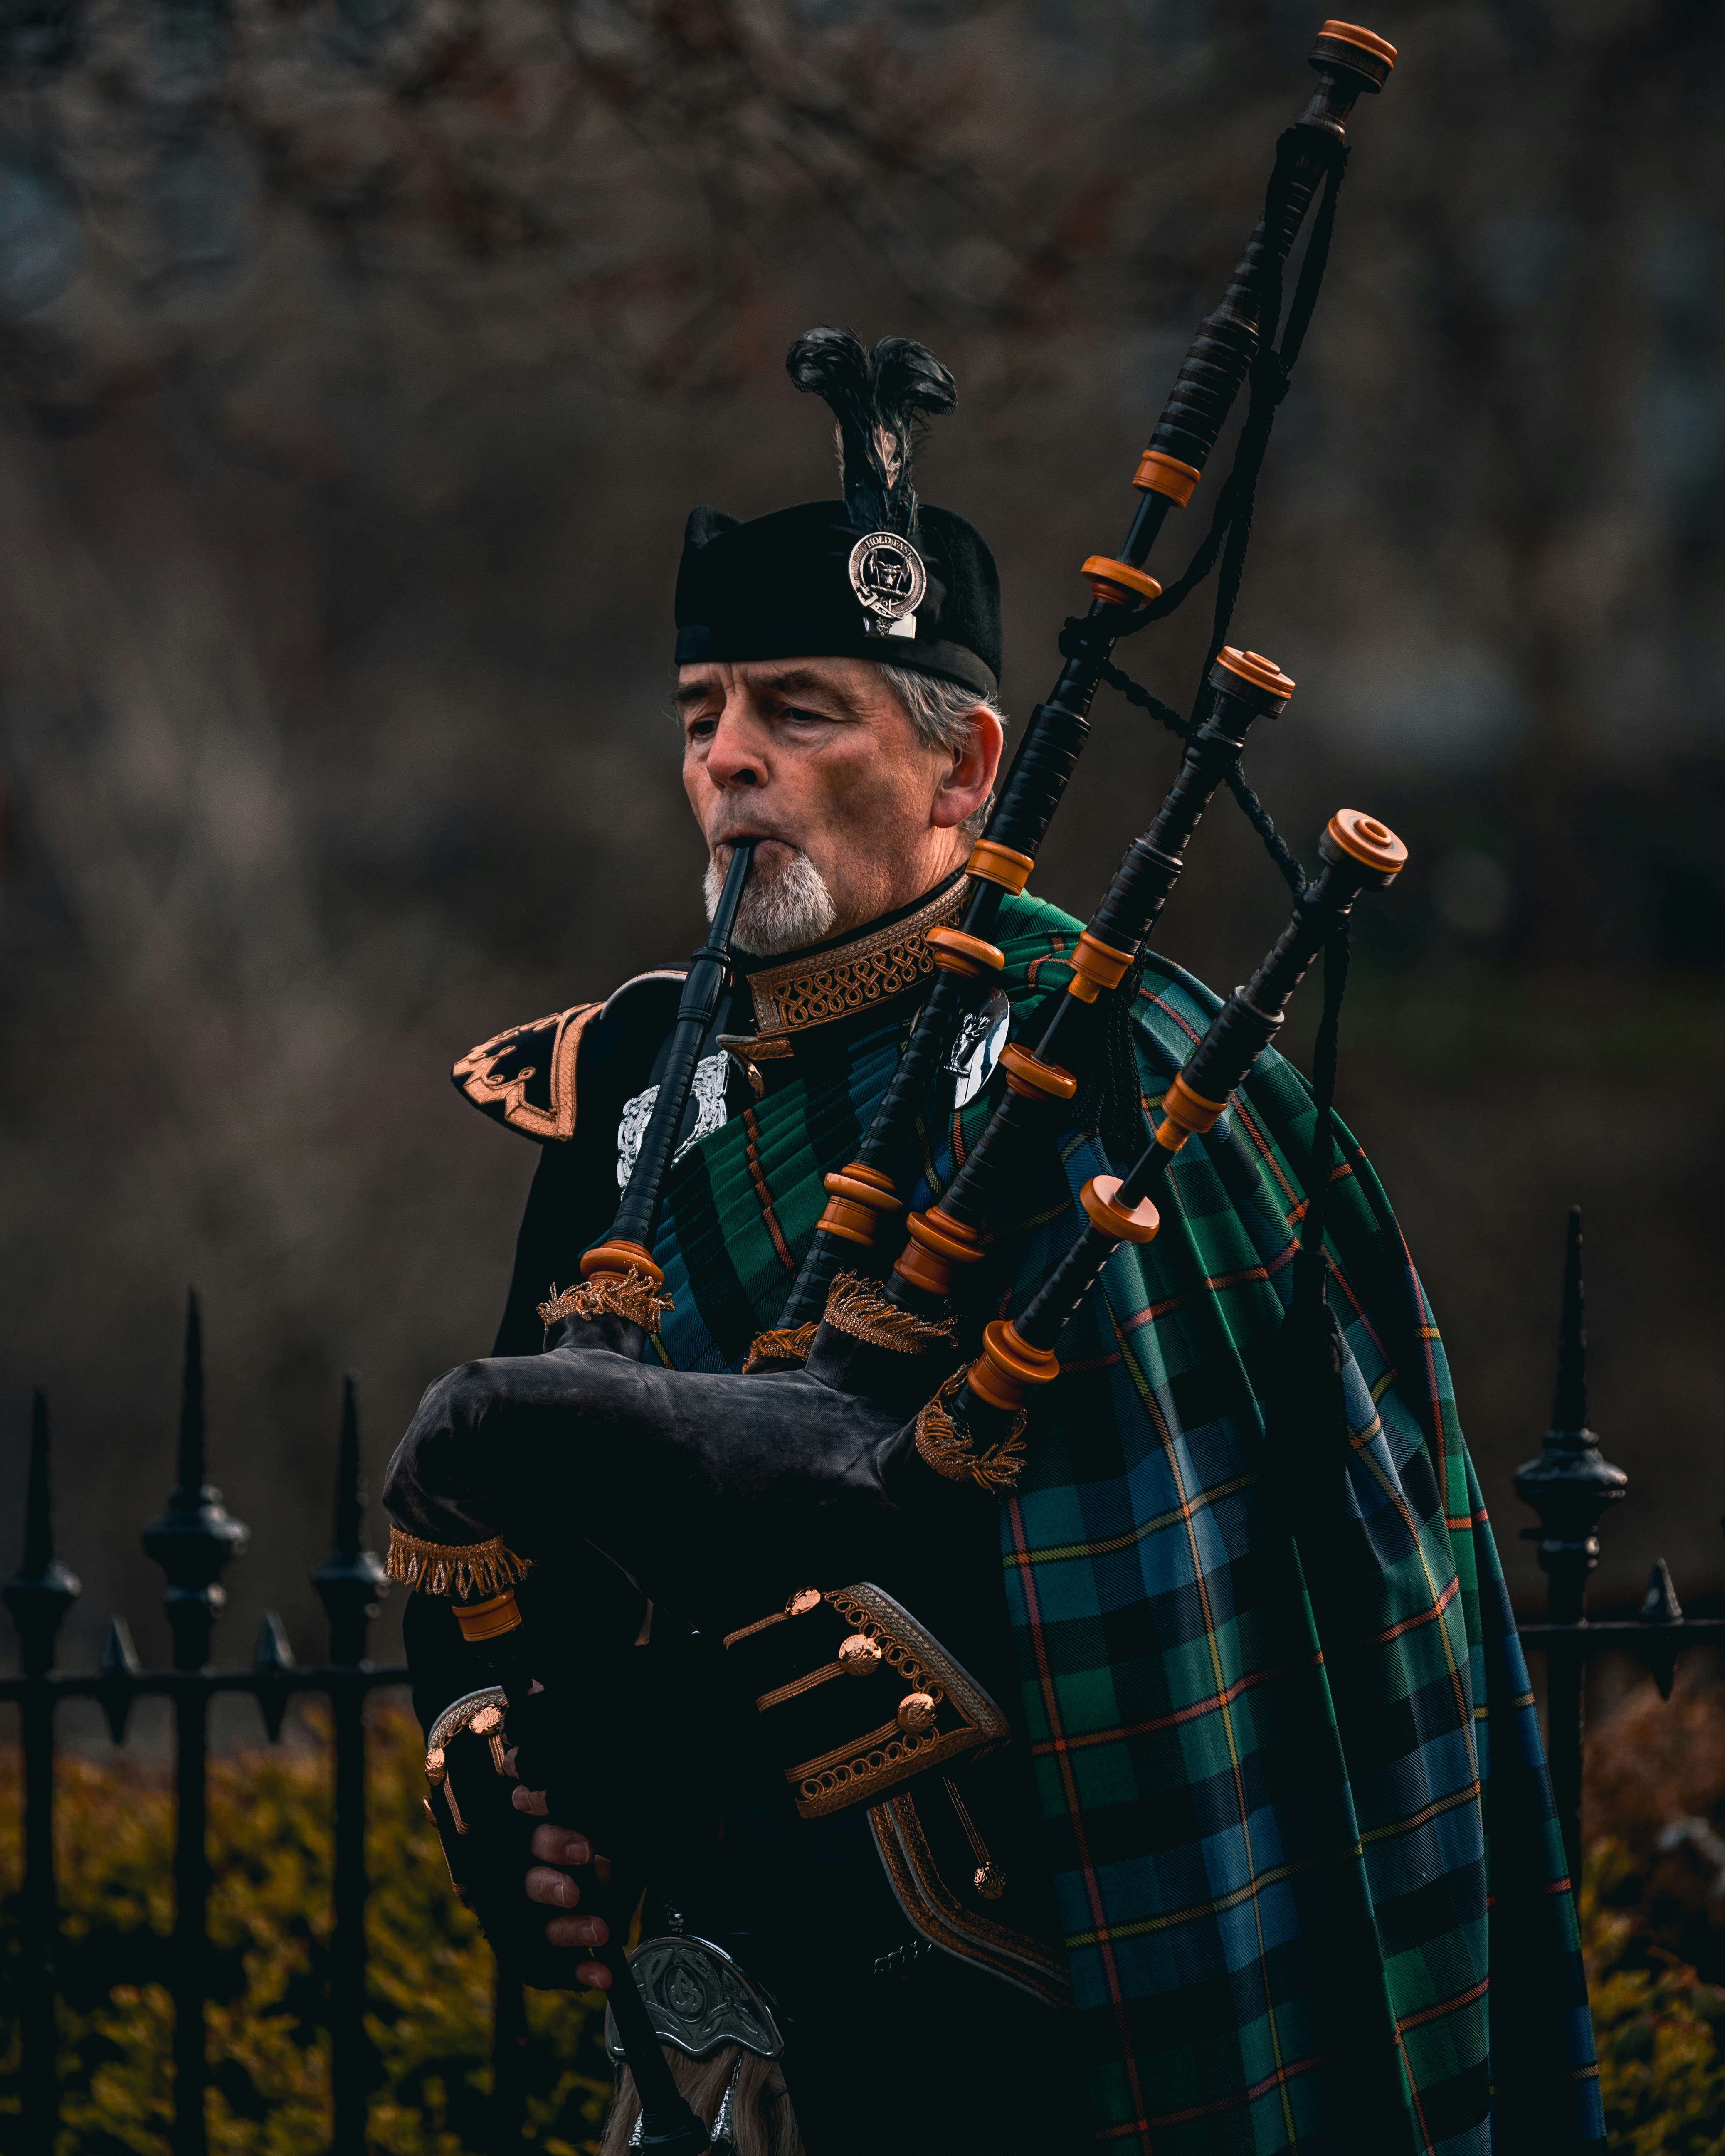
[[970, 780]]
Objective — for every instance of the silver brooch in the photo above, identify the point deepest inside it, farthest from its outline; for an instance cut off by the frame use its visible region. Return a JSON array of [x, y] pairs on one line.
[[711, 1074], [887, 575], [977, 1050]]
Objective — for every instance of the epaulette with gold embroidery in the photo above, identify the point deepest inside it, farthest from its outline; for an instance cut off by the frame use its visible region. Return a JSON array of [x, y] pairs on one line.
[[526, 1076]]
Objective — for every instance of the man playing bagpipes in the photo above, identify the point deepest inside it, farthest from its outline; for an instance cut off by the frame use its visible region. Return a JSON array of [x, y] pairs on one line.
[[980, 1537]]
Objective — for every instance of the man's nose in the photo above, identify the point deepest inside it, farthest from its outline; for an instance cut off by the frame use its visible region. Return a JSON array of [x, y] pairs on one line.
[[734, 755]]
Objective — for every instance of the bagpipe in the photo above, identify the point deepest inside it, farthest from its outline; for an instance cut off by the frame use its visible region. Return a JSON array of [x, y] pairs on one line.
[[862, 1442]]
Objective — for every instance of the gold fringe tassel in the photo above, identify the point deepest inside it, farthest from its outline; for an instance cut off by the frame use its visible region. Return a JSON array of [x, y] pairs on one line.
[[636, 1297], [790, 1347], [485, 1567], [858, 1307], [949, 1454]]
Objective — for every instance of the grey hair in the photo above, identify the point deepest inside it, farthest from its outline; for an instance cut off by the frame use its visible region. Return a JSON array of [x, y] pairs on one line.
[[940, 714]]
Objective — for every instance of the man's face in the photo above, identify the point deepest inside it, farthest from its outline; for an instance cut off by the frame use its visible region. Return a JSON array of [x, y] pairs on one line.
[[817, 759]]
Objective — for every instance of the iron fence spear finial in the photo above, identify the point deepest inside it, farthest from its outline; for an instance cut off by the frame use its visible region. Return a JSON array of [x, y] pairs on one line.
[[191, 1456], [351, 1580], [42, 1590], [1569, 1485], [349, 1493], [1568, 1410], [120, 1665], [195, 1537], [1662, 1615], [272, 1665], [191, 1541], [1572, 1483]]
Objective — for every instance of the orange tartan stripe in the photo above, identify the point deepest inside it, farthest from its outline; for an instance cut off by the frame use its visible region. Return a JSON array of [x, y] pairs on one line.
[[1266, 1151], [1405, 2021], [1059, 946], [1468, 1795], [1427, 2144], [1168, 1010], [1208, 1705], [1425, 1616], [1297, 1204], [1138, 2131], [1175, 1920], [1107, 1545], [1163, 1309], [1283, 2075], [758, 1179]]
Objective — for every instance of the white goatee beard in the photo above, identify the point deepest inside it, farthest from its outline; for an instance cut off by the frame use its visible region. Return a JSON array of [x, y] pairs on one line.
[[785, 905]]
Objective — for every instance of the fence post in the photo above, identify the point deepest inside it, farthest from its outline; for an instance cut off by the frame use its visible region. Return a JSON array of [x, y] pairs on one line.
[[350, 1583], [39, 1595], [1569, 1485], [191, 1541]]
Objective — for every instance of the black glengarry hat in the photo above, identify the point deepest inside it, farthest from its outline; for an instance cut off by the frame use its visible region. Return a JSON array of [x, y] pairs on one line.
[[879, 575]]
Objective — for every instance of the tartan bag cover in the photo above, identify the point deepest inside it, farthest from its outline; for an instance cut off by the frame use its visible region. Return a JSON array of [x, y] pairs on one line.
[[1225, 1755]]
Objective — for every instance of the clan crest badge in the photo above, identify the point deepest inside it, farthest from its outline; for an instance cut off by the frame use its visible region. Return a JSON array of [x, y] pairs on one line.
[[887, 575]]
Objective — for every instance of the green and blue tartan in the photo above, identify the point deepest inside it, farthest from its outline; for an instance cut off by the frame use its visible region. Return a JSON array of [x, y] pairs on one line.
[[1221, 1759]]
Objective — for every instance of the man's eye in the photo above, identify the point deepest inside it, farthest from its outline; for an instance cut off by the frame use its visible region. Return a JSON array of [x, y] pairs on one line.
[[701, 730], [804, 718]]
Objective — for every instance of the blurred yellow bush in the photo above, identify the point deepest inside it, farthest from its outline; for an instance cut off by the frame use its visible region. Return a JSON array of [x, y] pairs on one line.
[[271, 1922], [1658, 2026]]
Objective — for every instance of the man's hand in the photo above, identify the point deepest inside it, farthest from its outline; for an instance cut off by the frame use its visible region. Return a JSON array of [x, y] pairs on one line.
[[556, 1890]]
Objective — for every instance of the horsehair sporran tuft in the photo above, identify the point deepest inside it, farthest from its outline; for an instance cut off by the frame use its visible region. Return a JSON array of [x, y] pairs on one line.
[[761, 2121]]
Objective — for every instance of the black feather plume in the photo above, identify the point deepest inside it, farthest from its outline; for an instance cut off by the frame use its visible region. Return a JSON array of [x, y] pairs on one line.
[[831, 363], [878, 399]]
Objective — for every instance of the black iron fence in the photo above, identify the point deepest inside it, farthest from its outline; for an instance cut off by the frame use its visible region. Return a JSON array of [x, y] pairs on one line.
[[192, 1542], [1570, 1485]]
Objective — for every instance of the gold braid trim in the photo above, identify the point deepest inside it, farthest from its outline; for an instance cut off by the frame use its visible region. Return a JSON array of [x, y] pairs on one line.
[[635, 1296], [949, 1454], [790, 1347], [485, 1567], [858, 1307]]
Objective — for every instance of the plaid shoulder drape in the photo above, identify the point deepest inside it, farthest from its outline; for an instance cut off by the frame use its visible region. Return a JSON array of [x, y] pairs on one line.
[[1296, 1797]]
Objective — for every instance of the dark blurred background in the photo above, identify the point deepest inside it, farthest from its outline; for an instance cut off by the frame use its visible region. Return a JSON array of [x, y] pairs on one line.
[[359, 362]]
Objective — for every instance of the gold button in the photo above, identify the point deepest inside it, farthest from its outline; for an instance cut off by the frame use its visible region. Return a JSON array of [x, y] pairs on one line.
[[915, 1710], [485, 1721], [858, 1655], [803, 1601]]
